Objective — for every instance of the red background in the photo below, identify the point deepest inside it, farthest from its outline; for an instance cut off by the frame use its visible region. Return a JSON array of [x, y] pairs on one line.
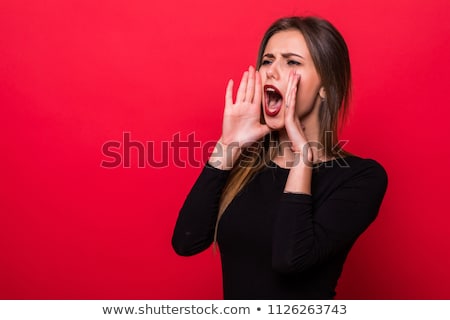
[[76, 74]]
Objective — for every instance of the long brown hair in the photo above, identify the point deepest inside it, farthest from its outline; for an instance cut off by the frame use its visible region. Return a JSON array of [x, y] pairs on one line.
[[329, 53]]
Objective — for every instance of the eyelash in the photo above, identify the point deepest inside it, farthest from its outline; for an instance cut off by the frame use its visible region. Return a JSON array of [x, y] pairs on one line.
[[290, 62]]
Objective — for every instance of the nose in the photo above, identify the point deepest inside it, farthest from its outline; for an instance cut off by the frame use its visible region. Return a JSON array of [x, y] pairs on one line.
[[272, 72]]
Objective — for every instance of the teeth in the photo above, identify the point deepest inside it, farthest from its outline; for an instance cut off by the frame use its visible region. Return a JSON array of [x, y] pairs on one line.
[[270, 89]]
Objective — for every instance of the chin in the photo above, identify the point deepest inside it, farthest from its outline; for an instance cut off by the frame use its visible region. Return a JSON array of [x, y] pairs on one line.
[[274, 124]]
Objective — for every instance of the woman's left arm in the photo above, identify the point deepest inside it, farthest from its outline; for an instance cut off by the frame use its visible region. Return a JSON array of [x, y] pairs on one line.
[[305, 236]]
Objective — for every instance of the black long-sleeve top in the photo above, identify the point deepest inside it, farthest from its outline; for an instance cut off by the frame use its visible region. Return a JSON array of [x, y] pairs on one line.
[[277, 245]]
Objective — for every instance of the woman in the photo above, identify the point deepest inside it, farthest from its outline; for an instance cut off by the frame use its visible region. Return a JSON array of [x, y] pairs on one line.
[[283, 199]]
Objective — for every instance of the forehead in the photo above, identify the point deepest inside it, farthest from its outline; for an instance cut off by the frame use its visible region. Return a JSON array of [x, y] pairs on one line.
[[287, 41]]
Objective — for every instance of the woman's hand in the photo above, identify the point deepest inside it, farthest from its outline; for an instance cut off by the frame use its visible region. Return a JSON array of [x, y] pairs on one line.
[[241, 119], [293, 126], [300, 175]]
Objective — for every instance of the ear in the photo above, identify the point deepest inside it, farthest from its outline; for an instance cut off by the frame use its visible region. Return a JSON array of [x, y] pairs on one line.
[[322, 93]]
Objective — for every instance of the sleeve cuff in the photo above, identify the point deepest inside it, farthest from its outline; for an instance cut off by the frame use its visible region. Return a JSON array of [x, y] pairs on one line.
[[300, 198]]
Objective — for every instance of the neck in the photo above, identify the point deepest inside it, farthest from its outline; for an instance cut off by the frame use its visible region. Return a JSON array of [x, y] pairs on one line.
[[312, 134]]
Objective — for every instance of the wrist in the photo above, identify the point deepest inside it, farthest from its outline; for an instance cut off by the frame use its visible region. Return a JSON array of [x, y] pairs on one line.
[[224, 155], [304, 158], [299, 179]]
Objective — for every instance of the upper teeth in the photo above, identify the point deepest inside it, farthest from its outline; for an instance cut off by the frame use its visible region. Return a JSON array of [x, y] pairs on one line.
[[270, 89]]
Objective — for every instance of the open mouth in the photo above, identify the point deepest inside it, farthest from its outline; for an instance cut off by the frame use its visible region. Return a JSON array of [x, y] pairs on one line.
[[273, 100]]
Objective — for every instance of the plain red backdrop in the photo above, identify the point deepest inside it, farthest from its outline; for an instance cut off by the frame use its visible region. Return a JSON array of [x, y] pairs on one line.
[[77, 74]]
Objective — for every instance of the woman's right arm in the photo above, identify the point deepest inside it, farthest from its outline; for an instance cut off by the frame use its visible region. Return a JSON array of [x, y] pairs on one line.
[[195, 226]]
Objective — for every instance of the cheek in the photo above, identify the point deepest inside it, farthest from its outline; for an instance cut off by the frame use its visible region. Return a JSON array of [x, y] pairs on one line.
[[306, 102], [308, 89]]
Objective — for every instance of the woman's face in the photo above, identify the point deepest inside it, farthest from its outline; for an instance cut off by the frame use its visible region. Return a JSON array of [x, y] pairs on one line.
[[286, 51]]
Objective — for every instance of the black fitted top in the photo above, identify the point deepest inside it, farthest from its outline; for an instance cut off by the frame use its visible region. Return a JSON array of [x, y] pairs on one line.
[[276, 245]]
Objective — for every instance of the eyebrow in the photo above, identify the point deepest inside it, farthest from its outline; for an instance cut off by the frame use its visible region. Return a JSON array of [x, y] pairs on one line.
[[284, 55]]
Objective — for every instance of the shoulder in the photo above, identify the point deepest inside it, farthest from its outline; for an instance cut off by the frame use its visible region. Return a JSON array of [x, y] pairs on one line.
[[364, 164], [358, 165], [353, 180], [351, 173], [352, 169], [352, 164], [367, 170]]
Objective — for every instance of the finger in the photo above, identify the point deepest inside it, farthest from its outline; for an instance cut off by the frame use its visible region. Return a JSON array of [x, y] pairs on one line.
[[242, 87], [293, 84], [250, 85], [290, 112], [290, 104], [296, 86], [292, 122], [229, 93], [258, 89], [297, 79], [288, 90]]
